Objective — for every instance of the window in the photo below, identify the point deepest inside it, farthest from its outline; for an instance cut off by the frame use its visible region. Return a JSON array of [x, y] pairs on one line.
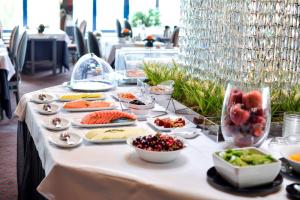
[[107, 13], [43, 12], [11, 13], [83, 10], [169, 15]]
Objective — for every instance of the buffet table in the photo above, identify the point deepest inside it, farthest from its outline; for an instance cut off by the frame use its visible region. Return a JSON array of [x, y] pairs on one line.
[[109, 171]]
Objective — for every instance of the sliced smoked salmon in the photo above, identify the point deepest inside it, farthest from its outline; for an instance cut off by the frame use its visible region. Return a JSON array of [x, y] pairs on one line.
[[87, 104], [105, 117]]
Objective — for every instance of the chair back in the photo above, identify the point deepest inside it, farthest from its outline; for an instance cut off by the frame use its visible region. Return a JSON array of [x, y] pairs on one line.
[[82, 27], [79, 41], [13, 42], [21, 52], [92, 45], [128, 26], [63, 22], [119, 28], [175, 37]]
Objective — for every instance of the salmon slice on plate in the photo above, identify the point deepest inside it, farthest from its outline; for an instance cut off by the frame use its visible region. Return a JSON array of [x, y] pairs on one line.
[[106, 116]]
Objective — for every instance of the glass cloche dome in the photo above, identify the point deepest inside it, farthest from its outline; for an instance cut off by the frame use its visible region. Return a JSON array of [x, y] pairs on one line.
[[92, 73]]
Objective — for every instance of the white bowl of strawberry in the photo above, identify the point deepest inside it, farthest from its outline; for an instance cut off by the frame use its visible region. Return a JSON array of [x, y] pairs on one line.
[[246, 115], [157, 148]]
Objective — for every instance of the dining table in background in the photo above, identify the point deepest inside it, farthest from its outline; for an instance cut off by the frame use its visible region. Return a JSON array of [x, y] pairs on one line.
[[48, 48], [109, 48], [7, 71], [109, 171]]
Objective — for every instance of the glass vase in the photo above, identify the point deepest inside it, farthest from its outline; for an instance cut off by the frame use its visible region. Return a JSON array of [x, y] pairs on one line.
[[246, 116]]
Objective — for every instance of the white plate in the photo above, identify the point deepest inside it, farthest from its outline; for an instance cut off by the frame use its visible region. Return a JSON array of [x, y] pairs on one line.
[[35, 98], [136, 130], [89, 109], [65, 124], [55, 139], [76, 122], [187, 133], [188, 124], [90, 86], [54, 109]]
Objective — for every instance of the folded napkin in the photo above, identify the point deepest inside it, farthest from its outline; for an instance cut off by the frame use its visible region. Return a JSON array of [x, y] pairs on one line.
[[20, 111]]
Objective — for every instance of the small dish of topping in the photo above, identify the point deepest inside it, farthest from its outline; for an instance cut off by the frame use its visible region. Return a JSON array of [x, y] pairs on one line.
[[126, 96], [47, 109], [42, 98], [57, 123], [292, 154], [170, 123], [158, 148], [161, 90], [65, 139]]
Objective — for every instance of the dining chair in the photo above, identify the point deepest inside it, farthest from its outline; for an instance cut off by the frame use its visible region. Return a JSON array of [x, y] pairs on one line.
[[93, 45], [19, 62], [82, 27], [128, 26], [13, 43], [175, 37], [79, 41], [119, 28]]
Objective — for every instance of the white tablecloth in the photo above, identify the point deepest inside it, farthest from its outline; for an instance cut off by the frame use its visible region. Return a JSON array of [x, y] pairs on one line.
[[5, 62], [49, 33], [114, 171]]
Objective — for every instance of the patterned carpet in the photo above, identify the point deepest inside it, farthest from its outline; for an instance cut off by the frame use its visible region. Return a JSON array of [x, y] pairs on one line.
[[8, 130]]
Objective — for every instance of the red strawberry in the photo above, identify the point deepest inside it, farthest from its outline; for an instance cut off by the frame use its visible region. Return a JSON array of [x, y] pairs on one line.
[[259, 112], [236, 96], [257, 129], [237, 115], [252, 99], [258, 120]]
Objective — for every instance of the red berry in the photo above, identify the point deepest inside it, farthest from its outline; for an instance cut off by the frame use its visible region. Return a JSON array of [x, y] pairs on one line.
[[237, 115], [252, 99], [236, 96], [257, 130]]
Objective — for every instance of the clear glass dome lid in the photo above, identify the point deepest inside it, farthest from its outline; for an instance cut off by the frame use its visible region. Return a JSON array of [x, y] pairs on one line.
[[92, 73]]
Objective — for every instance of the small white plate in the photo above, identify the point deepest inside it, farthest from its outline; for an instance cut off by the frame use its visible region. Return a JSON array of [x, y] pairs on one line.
[[55, 139], [54, 109], [77, 122], [114, 106], [49, 98], [188, 124], [65, 124], [186, 133]]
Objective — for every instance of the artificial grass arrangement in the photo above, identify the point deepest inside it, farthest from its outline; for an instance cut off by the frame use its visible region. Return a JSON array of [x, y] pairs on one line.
[[206, 97]]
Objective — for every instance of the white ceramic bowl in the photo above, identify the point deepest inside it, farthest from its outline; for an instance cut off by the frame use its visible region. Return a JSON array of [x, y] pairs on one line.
[[156, 156], [248, 176], [288, 150]]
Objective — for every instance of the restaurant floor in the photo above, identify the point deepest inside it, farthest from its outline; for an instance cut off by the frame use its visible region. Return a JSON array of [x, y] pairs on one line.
[[8, 131]]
